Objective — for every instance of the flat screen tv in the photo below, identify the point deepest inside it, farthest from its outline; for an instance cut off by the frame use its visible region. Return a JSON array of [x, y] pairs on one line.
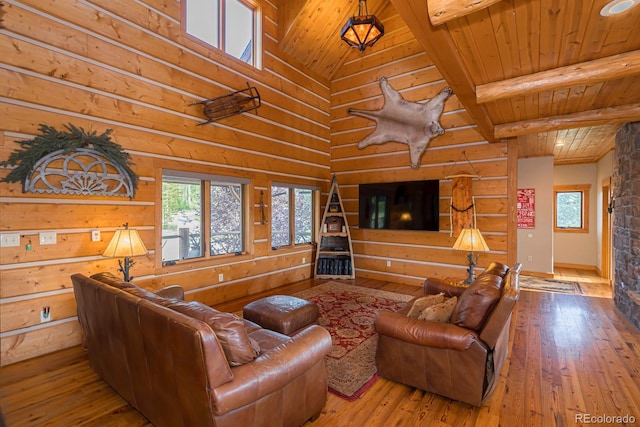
[[409, 205]]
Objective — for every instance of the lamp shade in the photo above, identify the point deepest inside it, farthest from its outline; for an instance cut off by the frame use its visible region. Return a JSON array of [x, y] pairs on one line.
[[362, 31], [125, 243], [470, 239]]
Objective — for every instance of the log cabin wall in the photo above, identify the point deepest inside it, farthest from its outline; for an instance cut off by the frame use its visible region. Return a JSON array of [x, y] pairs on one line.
[[410, 256], [128, 66]]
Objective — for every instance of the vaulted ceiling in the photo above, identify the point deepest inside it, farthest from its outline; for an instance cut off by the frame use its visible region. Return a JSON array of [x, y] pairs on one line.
[[554, 74]]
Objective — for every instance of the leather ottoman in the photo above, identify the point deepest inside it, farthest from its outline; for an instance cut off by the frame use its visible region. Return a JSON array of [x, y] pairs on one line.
[[282, 313]]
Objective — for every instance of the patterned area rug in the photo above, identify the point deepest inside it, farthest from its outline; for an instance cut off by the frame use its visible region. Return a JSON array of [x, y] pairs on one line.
[[549, 285], [348, 312]]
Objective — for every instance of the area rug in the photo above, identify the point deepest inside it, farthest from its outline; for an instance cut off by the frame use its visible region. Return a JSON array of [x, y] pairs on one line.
[[549, 285], [348, 312]]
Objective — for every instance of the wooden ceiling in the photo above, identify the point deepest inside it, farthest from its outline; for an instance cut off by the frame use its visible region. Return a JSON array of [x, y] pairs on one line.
[[554, 74]]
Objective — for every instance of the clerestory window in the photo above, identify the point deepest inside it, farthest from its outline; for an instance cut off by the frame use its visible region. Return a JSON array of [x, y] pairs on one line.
[[232, 26]]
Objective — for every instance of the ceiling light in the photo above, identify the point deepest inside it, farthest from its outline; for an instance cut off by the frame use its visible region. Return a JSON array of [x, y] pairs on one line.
[[616, 7], [362, 31]]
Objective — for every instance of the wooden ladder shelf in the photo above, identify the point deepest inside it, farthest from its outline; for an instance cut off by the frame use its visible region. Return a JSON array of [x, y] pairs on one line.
[[334, 257]]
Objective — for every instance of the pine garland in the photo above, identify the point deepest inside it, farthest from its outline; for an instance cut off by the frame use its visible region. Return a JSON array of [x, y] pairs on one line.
[[70, 140]]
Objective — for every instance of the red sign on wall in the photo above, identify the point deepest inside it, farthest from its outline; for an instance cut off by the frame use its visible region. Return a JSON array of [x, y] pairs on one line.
[[526, 208]]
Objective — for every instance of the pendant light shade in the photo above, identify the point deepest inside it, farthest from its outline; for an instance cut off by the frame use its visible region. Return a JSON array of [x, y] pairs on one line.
[[362, 31]]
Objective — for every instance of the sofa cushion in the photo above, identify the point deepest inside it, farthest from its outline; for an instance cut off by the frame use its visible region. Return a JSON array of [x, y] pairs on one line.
[[476, 302], [496, 268], [230, 330], [419, 304], [439, 312]]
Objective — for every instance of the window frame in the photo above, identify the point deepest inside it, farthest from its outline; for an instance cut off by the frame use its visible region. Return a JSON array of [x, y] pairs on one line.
[[256, 31], [584, 189], [206, 182], [292, 214]]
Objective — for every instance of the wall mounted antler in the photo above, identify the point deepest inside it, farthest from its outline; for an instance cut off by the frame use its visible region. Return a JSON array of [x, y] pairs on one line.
[[233, 103], [411, 123]]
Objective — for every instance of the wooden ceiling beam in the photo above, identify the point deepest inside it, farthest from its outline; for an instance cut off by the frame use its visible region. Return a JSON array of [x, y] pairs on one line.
[[441, 11], [604, 116], [584, 73], [439, 45]]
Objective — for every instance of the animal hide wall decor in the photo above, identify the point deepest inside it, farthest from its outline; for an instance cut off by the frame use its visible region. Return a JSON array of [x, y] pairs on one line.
[[411, 123]]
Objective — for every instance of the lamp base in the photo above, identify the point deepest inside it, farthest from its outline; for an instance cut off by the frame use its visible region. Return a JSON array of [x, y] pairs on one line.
[[471, 270], [125, 265]]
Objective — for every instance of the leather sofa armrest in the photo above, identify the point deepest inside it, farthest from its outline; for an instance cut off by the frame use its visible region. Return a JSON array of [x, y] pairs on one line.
[[424, 333], [435, 286], [172, 291], [273, 369]]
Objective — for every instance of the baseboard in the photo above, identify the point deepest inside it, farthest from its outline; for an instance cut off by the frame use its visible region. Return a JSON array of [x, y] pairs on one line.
[[536, 274], [575, 266]]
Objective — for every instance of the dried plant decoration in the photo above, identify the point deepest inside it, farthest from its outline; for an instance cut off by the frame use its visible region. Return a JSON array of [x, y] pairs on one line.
[[72, 161]]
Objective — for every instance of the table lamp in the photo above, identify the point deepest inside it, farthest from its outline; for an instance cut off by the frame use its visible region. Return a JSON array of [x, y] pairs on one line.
[[470, 239], [125, 243]]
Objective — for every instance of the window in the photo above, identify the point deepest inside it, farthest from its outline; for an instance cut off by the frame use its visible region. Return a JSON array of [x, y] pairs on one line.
[[291, 215], [192, 203], [229, 25], [571, 208]]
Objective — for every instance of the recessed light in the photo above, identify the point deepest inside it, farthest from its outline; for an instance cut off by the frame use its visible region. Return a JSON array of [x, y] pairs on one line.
[[616, 7]]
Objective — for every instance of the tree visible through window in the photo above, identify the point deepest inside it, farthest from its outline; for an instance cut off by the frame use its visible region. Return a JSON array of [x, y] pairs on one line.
[[229, 25], [571, 208], [291, 216], [187, 223]]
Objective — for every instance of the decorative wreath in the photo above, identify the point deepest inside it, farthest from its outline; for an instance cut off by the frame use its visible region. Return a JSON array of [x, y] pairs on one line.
[[72, 139]]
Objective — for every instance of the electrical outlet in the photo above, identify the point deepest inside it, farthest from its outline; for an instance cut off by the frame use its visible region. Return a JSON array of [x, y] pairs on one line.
[[220, 277], [9, 240], [95, 235], [48, 238], [45, 314], [304, 260], [530, 258], [388, 263]]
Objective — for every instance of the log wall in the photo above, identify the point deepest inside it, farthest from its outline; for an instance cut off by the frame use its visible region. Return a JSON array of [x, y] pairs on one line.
[[410, 256], [128, 66]]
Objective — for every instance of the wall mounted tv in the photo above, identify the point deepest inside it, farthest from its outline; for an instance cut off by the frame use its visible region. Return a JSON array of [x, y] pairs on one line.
[[409, 205]]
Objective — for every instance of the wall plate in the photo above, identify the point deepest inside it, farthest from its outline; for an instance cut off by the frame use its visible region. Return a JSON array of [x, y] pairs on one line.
[[9, 240], [48, 238]]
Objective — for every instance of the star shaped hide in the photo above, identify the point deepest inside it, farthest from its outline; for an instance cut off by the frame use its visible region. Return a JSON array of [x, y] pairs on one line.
[[411, 123]]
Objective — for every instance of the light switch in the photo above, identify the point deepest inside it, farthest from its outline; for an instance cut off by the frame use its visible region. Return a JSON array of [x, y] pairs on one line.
[[95, 235]]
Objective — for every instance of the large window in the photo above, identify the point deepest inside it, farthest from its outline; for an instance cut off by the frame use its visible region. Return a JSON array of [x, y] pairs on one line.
[[291, 215], [571, 208], [199, 208], [229, 25]]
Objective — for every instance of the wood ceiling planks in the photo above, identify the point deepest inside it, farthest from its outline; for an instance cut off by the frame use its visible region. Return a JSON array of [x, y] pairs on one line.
[[552, 59]]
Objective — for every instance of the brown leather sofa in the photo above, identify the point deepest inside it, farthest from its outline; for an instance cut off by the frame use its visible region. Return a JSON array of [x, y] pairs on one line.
[[185, 364], [460, 359]]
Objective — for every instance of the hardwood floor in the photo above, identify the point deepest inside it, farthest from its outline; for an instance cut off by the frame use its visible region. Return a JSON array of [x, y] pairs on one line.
[[571, 356]]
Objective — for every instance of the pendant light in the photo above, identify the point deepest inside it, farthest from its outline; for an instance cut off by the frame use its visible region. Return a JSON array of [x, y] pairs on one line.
[[362, 31]]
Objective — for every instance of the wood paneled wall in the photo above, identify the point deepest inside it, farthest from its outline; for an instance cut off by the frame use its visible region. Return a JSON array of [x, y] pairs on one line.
[[128, 66], [410, 256]]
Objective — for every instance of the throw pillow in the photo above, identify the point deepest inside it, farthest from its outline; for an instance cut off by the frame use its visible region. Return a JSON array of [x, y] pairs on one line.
[[423, 302], [476, 302], [439, 312], [229, 329]]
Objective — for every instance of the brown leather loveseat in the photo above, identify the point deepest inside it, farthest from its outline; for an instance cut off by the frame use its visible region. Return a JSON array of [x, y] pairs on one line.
[[185, 364], [460, 359]]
